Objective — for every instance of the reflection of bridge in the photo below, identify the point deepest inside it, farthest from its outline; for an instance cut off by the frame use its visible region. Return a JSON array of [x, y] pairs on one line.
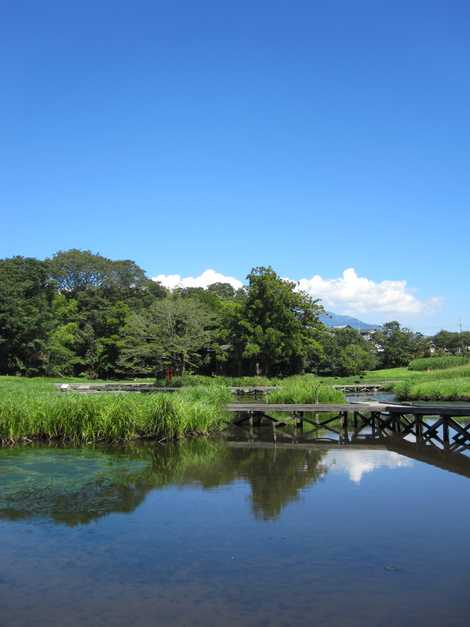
[[426, 433]]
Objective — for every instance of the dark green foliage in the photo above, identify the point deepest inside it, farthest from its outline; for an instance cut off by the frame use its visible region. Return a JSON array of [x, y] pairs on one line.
[[346, 352], [446, 342], [278, 325], [175, 332], [398, 346], [75, 270], [26, 320], [82, 314]]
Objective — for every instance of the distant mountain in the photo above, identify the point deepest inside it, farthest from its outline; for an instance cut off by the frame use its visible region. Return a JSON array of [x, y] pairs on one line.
[[337, 320]]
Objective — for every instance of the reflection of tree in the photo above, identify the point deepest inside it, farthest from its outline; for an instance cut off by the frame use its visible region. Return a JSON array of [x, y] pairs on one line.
[[276, 476], [74, 486]]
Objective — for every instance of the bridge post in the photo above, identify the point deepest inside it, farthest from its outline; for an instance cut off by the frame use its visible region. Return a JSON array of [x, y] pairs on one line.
[[419, 428], [250, 421], [355, 420], [373, 423], [445, 431], [344, 427]]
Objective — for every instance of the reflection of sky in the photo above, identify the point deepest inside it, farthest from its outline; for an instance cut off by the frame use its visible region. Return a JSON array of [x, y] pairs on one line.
[[357, 463]]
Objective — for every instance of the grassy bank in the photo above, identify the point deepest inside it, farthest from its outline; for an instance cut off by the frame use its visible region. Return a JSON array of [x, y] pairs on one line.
[[34, 410], [456, 389], [438, 384], [438, 363]]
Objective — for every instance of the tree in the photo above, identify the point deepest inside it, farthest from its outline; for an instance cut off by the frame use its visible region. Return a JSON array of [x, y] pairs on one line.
[[25, 315], [398, 346], [74, 270], [278, 324], [177, 332], [346, 352]]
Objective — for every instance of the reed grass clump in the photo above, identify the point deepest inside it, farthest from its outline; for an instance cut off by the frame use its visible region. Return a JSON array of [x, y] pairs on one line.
[[438, 363], [305, 389], [41, 413]]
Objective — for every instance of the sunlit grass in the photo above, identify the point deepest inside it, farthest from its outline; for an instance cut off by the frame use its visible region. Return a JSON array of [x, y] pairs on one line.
[[436, 390], [438, 363], [34, 409], [305, 389]]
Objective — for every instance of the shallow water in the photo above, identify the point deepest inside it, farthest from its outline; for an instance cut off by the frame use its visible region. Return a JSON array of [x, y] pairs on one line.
[[216, 533]]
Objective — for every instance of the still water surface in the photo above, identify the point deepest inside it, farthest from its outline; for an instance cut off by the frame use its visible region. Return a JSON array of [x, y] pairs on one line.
[[207, 533]]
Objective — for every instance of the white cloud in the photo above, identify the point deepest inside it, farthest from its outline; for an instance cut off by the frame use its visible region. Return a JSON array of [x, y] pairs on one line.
[[208, 277], [352, 294], [357, 463], [348, 294]]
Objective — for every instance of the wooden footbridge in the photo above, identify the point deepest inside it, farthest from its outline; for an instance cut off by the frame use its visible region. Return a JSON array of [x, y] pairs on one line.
[[438, 435], [401, 419]]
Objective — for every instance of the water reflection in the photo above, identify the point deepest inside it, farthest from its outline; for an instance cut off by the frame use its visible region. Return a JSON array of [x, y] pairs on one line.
[[357, 463], [77, 486]]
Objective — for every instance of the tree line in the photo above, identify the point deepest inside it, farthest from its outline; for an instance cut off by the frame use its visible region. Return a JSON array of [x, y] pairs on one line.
[[81, 314]]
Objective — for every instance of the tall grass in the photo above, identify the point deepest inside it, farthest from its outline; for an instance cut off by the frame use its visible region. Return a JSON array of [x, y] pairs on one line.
[[438, 363], [437, 390], [305, 389], [38, 412]]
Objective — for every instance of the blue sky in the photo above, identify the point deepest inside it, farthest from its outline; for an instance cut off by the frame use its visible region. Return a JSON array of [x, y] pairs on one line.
[[312, 136]]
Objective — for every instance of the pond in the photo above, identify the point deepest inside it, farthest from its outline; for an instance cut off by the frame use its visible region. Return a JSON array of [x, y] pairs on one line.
[[215, 532]]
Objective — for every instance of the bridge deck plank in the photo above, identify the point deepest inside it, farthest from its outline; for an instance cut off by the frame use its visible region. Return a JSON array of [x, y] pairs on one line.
[[417, 410]]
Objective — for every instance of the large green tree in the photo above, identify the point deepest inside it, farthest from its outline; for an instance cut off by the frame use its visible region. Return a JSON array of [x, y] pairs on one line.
[[397, 346], [25, 315], [346, 352], [75, 270], [278, 324], [174, 332]]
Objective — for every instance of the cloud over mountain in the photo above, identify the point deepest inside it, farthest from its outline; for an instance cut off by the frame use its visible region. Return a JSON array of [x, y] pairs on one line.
[[349, 293], [353, 294]]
